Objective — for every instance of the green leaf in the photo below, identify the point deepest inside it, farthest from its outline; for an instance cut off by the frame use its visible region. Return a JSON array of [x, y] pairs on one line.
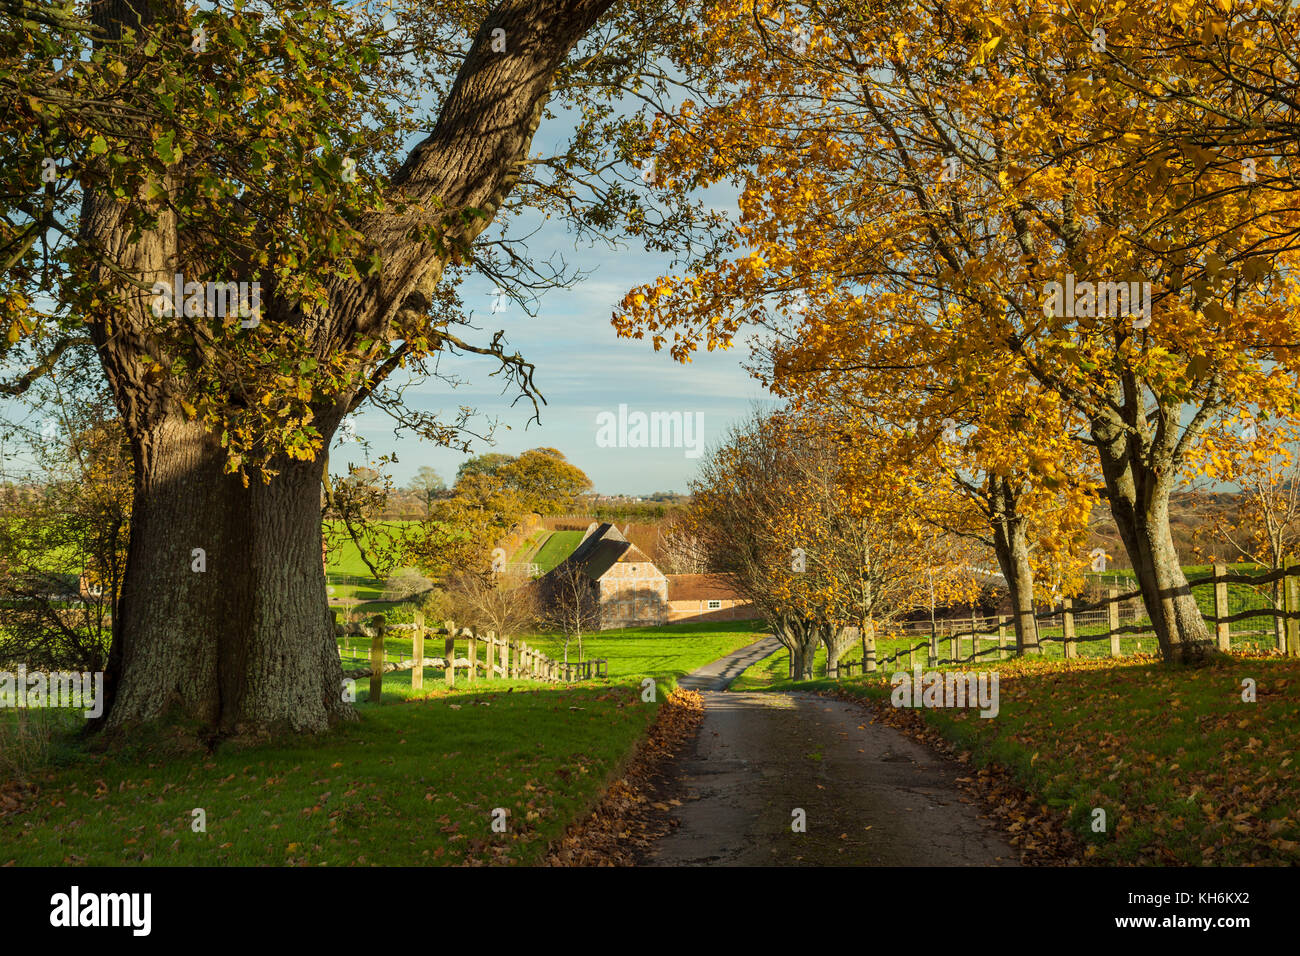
[[163, 147], [98, 146]]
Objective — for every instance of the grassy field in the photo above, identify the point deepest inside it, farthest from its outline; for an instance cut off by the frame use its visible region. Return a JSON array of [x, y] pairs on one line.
[[416, 781], [344, 563], [663, 653], [345, 557], [556, 548], [526, 550]]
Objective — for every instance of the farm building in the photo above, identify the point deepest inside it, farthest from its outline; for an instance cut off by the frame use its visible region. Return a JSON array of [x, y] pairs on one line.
[[629, 590], [704, 597]]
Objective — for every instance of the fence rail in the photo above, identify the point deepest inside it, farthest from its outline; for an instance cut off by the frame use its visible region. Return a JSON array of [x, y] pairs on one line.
[[500, 657], [1115, 616]]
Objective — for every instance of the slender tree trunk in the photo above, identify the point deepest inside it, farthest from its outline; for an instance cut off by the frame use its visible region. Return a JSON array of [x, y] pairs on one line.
[[1279, 625], [801, 640], [1011, 545], [832, 654], [809, 636], [1139, 493], [837, 639]]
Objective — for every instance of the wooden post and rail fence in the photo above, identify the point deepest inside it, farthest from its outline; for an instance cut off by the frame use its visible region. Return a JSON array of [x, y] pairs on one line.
[[1105, 616], [505, 658]]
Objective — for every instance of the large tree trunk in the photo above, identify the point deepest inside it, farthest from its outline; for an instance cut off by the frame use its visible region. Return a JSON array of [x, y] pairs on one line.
[[832, 656], [173, 622], [245, 646], [291, 678], [1139, 490], [1011, 545], [250, 647]]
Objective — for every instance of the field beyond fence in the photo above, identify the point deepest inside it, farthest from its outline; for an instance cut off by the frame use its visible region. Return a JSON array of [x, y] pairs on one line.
[[484, 653], [1115, 625]]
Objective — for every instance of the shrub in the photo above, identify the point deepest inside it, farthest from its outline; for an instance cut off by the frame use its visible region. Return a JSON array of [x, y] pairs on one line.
[[404, 584]]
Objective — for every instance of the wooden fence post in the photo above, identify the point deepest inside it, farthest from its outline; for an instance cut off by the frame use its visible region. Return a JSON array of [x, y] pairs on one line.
[[417, 651], [507, 659], [379, 623], [521, 658], [1112, 622], [473, 654], [954, 643], [1067, 627], [1002, 637], [1222, 630], [1291, 588], [489, 650], [449, 652]]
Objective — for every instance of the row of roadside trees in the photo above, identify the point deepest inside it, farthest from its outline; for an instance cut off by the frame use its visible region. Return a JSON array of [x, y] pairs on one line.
[[779, 512], [1042, 253]]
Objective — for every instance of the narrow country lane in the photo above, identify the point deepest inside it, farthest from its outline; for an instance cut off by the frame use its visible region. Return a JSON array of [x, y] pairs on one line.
[[871, 796]]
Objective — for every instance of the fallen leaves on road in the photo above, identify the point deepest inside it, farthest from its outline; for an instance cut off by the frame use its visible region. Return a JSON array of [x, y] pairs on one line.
[[634, 812]]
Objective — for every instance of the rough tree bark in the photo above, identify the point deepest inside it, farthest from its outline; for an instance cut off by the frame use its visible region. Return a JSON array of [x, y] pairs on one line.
[[801, 639], [246, 647], [836, 639]]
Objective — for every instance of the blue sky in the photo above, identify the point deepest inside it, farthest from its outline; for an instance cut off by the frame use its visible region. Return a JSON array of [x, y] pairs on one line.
[[583, 369]]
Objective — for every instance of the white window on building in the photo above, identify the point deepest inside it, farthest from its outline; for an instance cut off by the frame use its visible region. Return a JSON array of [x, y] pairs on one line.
[[715, 605]]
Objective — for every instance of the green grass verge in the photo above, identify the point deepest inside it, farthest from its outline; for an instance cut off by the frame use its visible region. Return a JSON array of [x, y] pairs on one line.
[[414, 782]]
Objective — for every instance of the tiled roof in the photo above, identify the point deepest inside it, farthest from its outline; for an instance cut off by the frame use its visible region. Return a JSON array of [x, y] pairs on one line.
[[602, 549]]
